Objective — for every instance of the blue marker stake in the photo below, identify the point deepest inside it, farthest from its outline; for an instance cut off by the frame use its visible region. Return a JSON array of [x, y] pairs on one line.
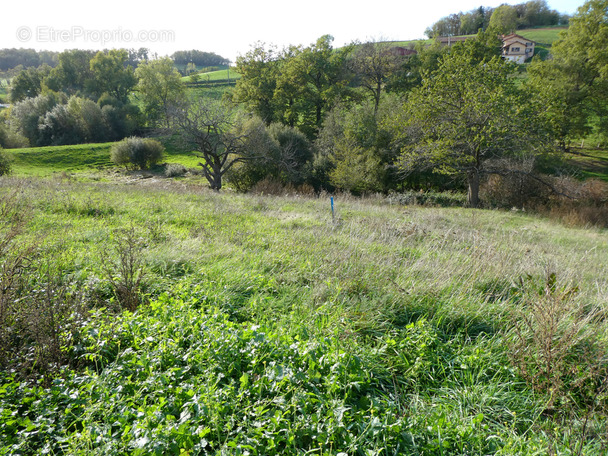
[[333, 217]]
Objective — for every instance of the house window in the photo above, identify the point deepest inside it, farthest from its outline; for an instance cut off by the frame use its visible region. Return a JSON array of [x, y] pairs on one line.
[[515, 49]]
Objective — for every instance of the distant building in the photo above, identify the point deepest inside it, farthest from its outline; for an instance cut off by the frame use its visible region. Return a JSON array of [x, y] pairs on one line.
[[517, 48], [514, 47]]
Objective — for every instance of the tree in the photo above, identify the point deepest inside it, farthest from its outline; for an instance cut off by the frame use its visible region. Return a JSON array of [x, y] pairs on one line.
[[504, 19], [574, 84], [446, 26], [160, 88], [314, 77], [28, 83], [27, 115], [111, 75], [465, 115], [256, 87], [72, 72], [209, 128], [373, 64], [354, 147]]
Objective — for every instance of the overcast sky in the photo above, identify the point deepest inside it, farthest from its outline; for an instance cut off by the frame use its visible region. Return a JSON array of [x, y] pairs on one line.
[[228, 28]]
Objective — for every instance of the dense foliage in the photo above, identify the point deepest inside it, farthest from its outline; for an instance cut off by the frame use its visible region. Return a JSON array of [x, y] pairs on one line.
[[136, 153], [534, 13], [199, 58]]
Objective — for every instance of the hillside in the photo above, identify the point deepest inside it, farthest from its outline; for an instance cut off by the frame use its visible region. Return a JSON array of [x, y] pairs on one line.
[[272, 329], [215, 76]]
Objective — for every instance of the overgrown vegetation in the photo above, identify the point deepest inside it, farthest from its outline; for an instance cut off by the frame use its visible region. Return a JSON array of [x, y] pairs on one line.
[[272, 329]]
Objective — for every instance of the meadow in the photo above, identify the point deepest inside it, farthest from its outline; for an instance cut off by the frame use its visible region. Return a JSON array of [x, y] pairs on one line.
[[215, 76], [256, 324]]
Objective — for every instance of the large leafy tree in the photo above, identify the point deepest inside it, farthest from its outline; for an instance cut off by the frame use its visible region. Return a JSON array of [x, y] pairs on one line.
[[574, 84], [318, 75], [111, 74], [504, 19], [466, 114], [73, 73], [374, 63], [295, 87], [259, 73], [28, 83], [159, 88]]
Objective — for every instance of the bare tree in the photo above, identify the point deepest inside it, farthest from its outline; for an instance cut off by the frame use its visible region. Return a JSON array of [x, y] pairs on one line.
[[211, 129]]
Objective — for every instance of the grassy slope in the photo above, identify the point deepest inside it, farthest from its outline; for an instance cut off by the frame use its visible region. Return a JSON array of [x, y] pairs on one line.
[[219, 75], [81, 158], [542, 36], [42, 161], [279, 332], [592, 162]]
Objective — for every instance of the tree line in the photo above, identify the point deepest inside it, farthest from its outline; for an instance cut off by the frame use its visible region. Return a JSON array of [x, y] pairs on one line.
[[364, 118], [21, 59], [534, 13], [88, 97]]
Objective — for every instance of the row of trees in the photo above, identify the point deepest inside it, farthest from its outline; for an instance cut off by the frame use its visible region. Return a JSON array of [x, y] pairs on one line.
[[199, 58], [534, 13], [89, 97], [26, 58], [23, 59], [444, 117], [360, 118]]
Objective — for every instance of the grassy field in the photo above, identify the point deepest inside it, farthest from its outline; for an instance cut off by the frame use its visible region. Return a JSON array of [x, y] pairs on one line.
[[272, 328], [542, 36], [81, 159], [212, 76], [44, 161], [591, 162]]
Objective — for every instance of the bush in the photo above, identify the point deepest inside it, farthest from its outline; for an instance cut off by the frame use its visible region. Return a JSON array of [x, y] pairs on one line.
[[136, 153], [10, 139], [5, 163], [585, 206], [175, 170]]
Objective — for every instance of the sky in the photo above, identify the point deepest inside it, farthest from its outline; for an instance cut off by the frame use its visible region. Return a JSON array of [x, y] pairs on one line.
[[228, 28]]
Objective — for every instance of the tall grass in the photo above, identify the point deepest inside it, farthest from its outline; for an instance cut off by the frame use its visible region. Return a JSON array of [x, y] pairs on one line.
[[273, 328]]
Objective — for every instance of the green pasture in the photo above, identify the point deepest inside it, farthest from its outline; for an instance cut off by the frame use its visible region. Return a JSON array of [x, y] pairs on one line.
[[215, 76], [542, 36], [83, 158]]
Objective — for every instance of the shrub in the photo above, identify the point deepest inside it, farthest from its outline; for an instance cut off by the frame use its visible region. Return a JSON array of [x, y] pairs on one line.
[[514, 190], [5, 163], [136, 153], [557, 344], [10, 138], [175, 170], [127, 272], [579, 203]]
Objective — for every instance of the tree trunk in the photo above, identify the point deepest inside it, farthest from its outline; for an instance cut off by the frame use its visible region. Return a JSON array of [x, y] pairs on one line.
[[216, 184], [473, 194]]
